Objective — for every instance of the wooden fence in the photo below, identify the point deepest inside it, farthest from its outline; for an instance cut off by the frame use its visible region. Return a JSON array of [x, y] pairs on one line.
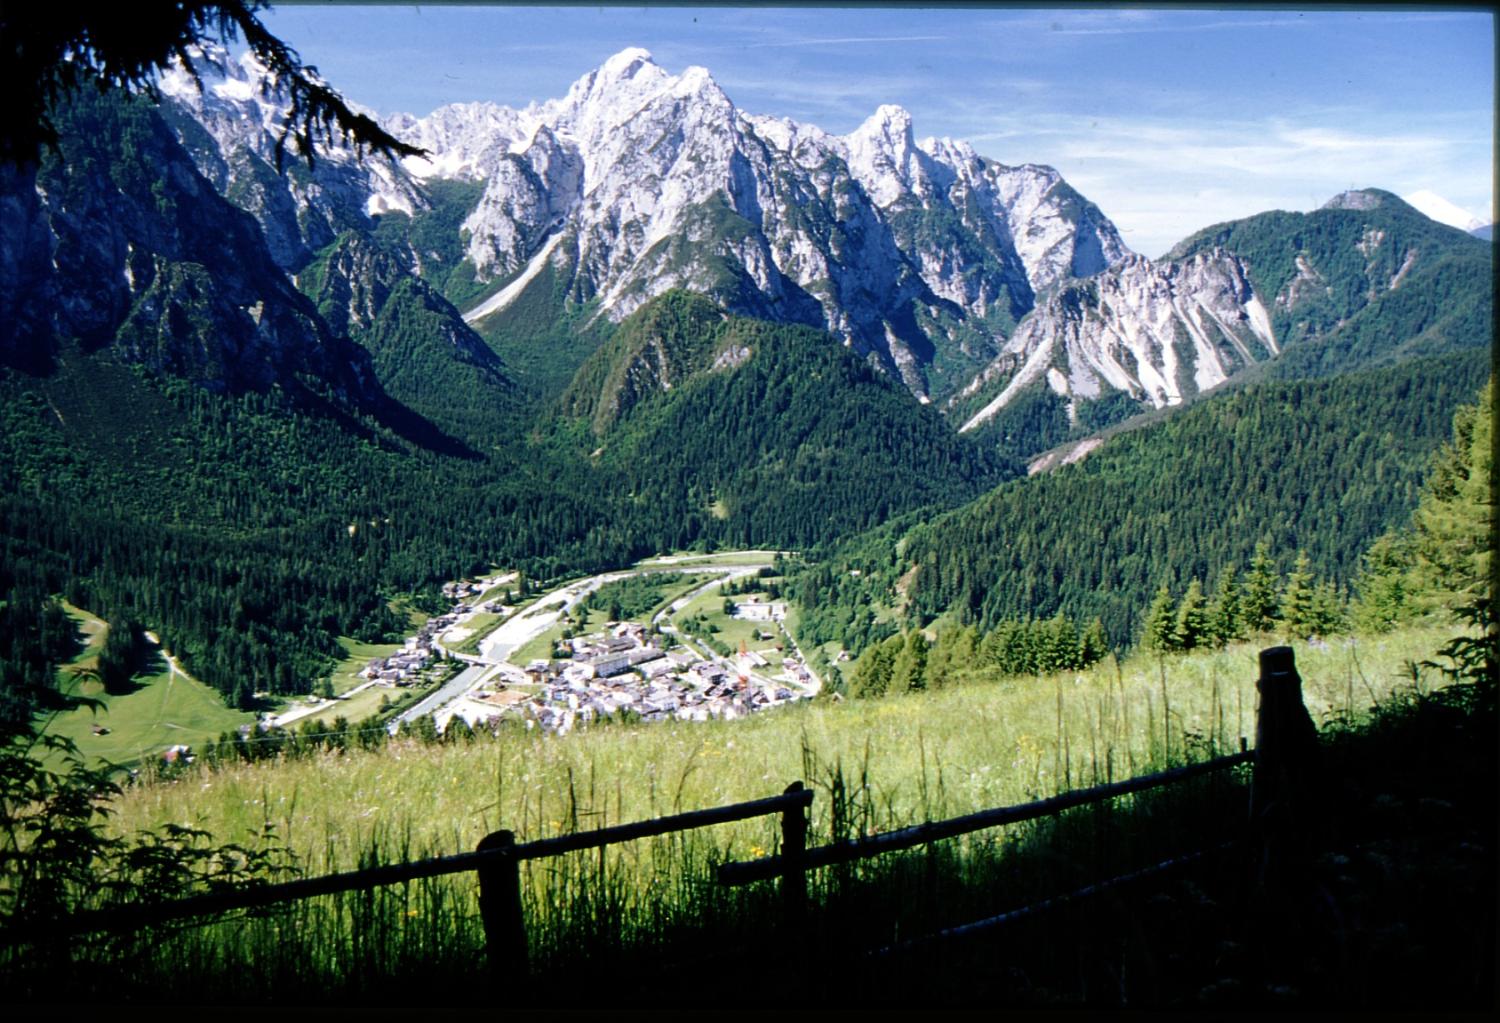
[[1285, 746]]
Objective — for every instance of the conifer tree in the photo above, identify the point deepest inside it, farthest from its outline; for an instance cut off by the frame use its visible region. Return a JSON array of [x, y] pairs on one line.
[[1452, 523], [994, 648], [872, 673], [1060, 645], [1442, 561], [1226, 621], [1261, 585], [1326, 615], [1384, 586], [1023, 647], [1297, 598], [1191, 625], [425, 729], [1161, 622], [121, 656], [909, 669], [953, 650], [1093, 644], [458, 729]]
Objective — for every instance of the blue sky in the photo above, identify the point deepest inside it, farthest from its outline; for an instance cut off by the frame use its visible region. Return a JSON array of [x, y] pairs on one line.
[[1169, 119]]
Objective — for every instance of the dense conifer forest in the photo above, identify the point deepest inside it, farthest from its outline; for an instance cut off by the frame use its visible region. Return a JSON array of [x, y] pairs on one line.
[[251, 529], [1316, 468]]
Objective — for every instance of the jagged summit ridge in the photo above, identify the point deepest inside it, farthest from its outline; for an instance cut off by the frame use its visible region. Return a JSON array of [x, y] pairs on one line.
[[969, 279], [231, 126], [1158, 331], [638, 181]]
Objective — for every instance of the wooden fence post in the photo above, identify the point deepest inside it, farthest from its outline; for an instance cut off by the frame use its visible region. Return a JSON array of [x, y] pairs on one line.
[[1286, 743], [793, 850], [500, 906]]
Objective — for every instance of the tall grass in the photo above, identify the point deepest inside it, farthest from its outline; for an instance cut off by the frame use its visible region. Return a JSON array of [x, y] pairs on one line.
[[620, 913]]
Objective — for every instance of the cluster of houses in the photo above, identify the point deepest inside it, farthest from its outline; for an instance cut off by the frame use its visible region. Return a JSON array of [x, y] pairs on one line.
[[422, 649], [624, 671], [463, 593], [400, 667]]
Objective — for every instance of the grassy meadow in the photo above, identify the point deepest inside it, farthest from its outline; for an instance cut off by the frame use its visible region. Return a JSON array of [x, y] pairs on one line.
[[684, 559], [928, 755], [163, 708], [346, 672], [622, 913]]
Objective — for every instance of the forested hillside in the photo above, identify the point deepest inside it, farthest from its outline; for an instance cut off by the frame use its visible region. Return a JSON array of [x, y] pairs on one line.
[[769, 428], [1365, 280], [1318, 468], [251, 532], [252, 529]]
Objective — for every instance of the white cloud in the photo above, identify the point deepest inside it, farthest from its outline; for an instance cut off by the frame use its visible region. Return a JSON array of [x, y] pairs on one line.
[[1162, 180]]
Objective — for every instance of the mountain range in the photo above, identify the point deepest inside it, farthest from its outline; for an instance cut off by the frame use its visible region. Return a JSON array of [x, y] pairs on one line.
[[631, 318], [972, 282]]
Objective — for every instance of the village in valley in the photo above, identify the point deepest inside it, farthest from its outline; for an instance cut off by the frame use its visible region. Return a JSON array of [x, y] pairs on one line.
[[650, 666]]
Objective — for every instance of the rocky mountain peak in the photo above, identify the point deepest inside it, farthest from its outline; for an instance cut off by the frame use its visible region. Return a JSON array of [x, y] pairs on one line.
[[639, 180], [629, 63], [463, 140], [1358, 199], [956, 153], [889, 125], [619, 86], [884, 157]]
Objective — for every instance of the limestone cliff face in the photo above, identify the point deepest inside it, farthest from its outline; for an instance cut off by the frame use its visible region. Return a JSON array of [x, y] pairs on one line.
[[118, 239], [231, 126], [1158, 331], [639, 181]]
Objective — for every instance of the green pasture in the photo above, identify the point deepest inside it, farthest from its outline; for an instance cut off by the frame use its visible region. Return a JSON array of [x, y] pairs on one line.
[[164, 708], [731, 630], [356, 655]]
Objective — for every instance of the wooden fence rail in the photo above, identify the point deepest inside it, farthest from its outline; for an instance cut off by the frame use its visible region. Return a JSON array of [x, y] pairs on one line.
[[933, 831], [1283, 758], [494, 851], [500, 878]]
